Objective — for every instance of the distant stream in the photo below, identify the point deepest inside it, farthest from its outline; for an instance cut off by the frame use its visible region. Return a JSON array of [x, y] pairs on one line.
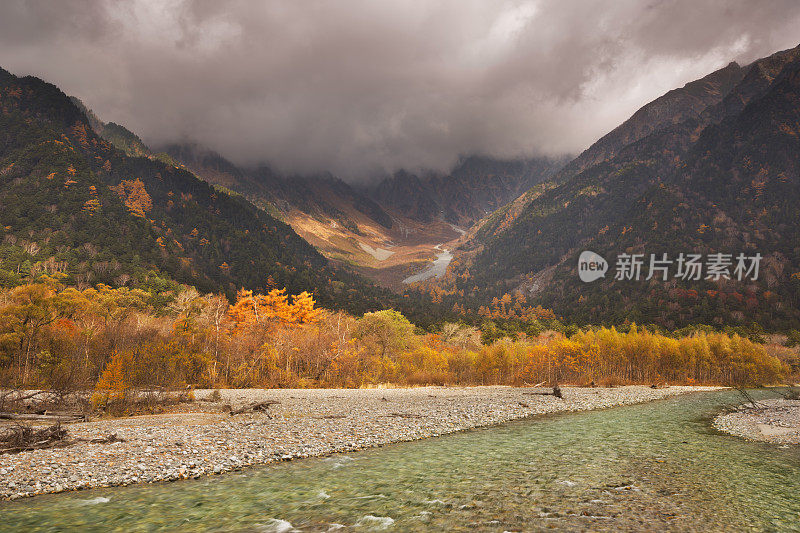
[[437, 268], [440, 264]]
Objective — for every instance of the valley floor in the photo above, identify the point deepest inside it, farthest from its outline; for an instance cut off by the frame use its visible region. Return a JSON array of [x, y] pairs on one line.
[[307, 422]]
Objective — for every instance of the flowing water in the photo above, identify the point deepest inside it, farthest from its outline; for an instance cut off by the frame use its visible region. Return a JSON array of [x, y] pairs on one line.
[[436, 269], [653, 467]]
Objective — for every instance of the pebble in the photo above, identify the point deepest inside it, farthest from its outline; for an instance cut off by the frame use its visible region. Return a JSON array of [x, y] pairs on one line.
[[775, 421], [309, 422]]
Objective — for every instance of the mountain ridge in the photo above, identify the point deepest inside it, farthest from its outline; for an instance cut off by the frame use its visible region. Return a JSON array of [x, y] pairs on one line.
[[74, 202], [681, 186]]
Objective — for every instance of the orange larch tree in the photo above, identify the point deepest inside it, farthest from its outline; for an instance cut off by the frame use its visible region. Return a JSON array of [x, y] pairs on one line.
[[134, 196]]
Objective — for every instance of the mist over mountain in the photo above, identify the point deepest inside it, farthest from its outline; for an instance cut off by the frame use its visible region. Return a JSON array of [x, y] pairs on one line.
[[361, 89], [475, 187]]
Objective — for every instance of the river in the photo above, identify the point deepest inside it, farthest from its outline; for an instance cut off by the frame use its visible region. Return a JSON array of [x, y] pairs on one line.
[[440, 264], [657, 466], [437, 268]]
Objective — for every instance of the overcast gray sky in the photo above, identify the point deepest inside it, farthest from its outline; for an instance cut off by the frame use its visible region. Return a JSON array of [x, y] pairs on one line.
[[358, 87]]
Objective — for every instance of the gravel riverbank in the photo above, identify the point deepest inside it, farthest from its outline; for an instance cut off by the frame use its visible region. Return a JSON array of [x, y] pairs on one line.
[[307, 422], [775, 421]]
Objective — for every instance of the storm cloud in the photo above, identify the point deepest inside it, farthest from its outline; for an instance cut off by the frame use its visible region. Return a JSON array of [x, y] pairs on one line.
[[363, 87]]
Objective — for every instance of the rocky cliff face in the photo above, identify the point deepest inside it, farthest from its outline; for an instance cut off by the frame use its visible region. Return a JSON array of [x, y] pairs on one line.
[[676, 106], [474, 188]]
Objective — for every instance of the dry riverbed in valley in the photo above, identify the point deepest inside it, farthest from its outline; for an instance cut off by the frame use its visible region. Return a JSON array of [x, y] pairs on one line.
[[309, 422]]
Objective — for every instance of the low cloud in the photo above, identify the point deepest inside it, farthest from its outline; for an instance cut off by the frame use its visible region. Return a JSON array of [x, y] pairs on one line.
[[360, 87]]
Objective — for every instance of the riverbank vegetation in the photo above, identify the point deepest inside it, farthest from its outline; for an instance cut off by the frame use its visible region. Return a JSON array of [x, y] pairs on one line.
[[116, 341]]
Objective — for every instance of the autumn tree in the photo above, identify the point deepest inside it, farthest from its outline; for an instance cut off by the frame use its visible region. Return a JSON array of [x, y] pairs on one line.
[[28, 310], [134, 196], [386, 333], [302, 309]]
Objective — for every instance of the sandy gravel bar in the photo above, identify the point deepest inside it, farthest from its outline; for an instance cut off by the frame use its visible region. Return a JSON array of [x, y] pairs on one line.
[[776, 421], [308, 422]]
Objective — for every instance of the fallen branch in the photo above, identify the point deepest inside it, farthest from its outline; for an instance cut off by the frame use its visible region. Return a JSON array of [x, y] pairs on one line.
[[110, 439], [20, 438], [402, 415], [556, 392], [749, 399]]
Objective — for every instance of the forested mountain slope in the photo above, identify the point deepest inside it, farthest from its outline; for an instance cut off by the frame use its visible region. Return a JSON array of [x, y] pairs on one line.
[[386, 229], [70, 201], [721, 177]]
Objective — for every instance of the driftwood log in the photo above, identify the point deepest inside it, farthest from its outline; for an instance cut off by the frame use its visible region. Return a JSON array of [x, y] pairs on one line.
[[262, 407], [45, 416], [556, 392]]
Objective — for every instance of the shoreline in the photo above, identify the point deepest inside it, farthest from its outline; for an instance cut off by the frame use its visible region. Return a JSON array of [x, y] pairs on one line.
[[205, 440], [777, 421]]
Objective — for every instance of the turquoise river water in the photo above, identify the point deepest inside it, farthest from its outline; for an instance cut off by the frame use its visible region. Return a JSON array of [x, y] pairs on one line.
[[652, 467]]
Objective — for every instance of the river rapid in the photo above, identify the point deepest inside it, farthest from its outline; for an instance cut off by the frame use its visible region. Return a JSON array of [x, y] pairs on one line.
[[657, 466]]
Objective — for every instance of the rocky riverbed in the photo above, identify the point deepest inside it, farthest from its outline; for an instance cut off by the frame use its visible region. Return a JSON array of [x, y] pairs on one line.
[[774, 421], [206, 440]]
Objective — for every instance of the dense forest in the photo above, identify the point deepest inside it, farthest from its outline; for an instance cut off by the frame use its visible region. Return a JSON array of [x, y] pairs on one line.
[[118, 341]]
